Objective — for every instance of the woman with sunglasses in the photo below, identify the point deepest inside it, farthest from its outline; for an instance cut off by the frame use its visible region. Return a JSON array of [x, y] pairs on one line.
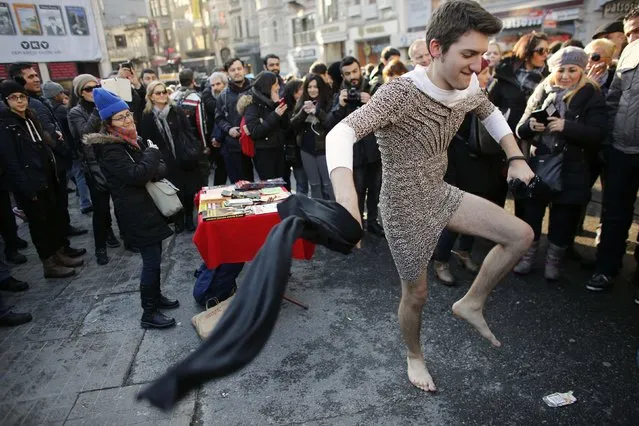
[[30, 170], [83, 120], [600, 67], [128, 164], [169, 127], [578, 125], [515, 80]]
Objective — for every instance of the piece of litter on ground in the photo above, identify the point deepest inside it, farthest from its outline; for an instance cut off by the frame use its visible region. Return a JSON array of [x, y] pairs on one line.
[[607, 364], [559, 399], [348, 318], [572, 340], [224, 394]]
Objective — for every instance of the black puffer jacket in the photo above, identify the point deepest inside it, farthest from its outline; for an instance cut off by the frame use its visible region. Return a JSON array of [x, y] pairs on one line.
[[139, 219], [83, 120], [266, 127], [27, 160], [506, 93], [585, 128], [226, 115]]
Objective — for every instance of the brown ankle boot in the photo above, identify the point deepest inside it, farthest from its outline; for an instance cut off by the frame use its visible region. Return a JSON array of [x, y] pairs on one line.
[[442, 271], [53, 270], [466, 260], [70, 262]]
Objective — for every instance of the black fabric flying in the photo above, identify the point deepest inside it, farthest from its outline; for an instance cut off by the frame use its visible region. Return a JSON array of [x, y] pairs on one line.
[[248, 322]]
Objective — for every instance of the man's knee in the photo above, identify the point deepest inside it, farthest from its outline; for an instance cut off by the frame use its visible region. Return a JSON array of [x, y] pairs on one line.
[[415, 293], [522, 237]]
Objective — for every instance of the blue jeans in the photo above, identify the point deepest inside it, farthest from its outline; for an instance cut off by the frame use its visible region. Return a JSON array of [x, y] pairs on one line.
[[317, 172], [151, 259], [80, 182], [301, 181]]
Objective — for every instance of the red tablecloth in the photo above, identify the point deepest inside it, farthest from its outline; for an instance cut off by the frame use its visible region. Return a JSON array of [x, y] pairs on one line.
[[239, 239]]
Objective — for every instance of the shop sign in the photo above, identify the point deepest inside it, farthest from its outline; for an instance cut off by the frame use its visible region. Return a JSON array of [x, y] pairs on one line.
[[301, 54], [619, 7]]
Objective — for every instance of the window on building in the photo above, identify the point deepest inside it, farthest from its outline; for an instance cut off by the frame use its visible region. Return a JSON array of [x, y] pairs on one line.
[[168, 36], [159, 7], [237, 27], [275, 31], [331, 10], [120, 41]]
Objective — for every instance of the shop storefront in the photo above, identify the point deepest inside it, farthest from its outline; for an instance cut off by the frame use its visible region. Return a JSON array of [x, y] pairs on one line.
[[370, 40], [303, 57], [332, 38]]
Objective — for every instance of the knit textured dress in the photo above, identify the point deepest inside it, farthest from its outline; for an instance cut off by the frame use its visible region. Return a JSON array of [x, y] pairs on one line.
[[413, 131]]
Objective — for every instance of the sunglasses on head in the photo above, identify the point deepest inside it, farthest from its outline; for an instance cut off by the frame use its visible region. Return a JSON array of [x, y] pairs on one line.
[[90, 88], [595, 57], [161, 92], [541, 51]]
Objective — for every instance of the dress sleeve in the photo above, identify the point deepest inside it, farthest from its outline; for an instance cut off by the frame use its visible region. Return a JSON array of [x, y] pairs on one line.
[[492, 119], [384, 108]]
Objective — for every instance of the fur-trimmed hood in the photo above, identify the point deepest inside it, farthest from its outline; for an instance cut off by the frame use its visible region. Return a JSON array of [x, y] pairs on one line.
[[103, 139], [243, 102]]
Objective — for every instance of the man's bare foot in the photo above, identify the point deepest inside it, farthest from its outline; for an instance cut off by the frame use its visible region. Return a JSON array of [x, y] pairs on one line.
[[476, 318], [419, 376]]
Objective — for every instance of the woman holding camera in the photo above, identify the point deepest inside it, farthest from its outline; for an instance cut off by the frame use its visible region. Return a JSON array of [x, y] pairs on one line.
[[571, 120], [266, 122], [310, 123], [128, 165], [169, 127]]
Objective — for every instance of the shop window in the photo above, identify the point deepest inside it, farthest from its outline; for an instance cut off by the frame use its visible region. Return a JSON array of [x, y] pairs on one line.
[[120, 41]]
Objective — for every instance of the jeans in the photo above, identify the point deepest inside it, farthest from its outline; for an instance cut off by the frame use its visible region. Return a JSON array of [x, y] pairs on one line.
[[47, 226], [219, 177], [5, 272], [151, 259], [619, 196], [8, 227], [81, 184], [368, 184], [301, 181], [317, 172], [562, 224], [238, 166], [101, 215]]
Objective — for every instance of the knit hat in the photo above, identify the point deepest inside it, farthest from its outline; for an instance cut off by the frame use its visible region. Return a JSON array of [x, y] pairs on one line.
[[610, 27], [568, 56], [9, 87], [51, 89], [80, 81], [107, 103]]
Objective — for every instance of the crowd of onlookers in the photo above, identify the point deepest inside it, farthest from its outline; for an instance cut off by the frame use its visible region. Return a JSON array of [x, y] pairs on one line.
[[239, 127]]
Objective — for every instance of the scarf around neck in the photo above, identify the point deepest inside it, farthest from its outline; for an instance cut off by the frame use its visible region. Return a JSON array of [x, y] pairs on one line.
[[163, 125], [129, 135], [239, 88]]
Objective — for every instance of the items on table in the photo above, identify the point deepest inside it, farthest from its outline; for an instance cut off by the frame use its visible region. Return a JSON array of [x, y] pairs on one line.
[[223, 202]]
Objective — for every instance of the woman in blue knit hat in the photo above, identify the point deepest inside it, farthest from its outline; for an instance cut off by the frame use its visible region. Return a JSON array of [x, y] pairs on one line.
[[128, 165]]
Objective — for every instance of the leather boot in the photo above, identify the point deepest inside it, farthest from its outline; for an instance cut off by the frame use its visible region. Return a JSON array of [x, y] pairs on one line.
[[442, 270], [552, 266], [164, 302], [466, 261], [151, 317], [64, 260], [527, 262], [53, 270]]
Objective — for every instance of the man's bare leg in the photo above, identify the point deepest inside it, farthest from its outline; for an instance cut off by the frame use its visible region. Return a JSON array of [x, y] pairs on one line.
[[482, 218], [410, 321]]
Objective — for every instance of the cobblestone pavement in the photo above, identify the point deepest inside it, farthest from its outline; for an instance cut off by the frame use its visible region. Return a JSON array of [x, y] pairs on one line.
[[84, 357]]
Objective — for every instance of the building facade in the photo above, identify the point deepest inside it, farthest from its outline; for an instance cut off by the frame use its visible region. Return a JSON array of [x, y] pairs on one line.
[[244, 33]]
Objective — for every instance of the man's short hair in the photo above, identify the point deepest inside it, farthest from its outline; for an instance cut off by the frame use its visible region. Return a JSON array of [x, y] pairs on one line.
[[413, 46], [349, 60], [389, 52], [634, 13], [230, 62], [455, 18], [186, 77], [319, 68], [147, 71], [15, 70], [270, 56]]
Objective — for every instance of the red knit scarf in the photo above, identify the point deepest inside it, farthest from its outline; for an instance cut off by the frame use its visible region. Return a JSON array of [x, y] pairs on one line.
[[129, 135]]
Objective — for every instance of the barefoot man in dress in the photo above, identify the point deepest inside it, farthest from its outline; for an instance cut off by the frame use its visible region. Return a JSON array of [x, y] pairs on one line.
[[414, 118]]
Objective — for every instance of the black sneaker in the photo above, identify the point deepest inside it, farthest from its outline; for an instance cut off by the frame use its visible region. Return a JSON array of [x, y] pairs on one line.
[[13, 285], [15, 257], [599, 282], [101, 257], [11, 319], [74, 232]]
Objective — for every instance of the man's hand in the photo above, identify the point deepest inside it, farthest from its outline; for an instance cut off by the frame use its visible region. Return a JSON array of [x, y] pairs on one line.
[[343, 95], [234, 132], [364, 97], [519, 169], [59, 135], [130, 75], [535, 126], [215, 143]]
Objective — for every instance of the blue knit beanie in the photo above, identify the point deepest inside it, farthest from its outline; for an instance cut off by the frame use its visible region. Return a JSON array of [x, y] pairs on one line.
[[107, 103]]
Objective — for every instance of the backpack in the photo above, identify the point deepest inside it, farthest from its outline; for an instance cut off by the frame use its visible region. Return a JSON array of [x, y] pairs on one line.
[[246, 141], [207, 294]]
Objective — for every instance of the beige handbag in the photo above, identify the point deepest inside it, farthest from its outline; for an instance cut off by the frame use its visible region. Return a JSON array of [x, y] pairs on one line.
[[164, 195], [205, 322]]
